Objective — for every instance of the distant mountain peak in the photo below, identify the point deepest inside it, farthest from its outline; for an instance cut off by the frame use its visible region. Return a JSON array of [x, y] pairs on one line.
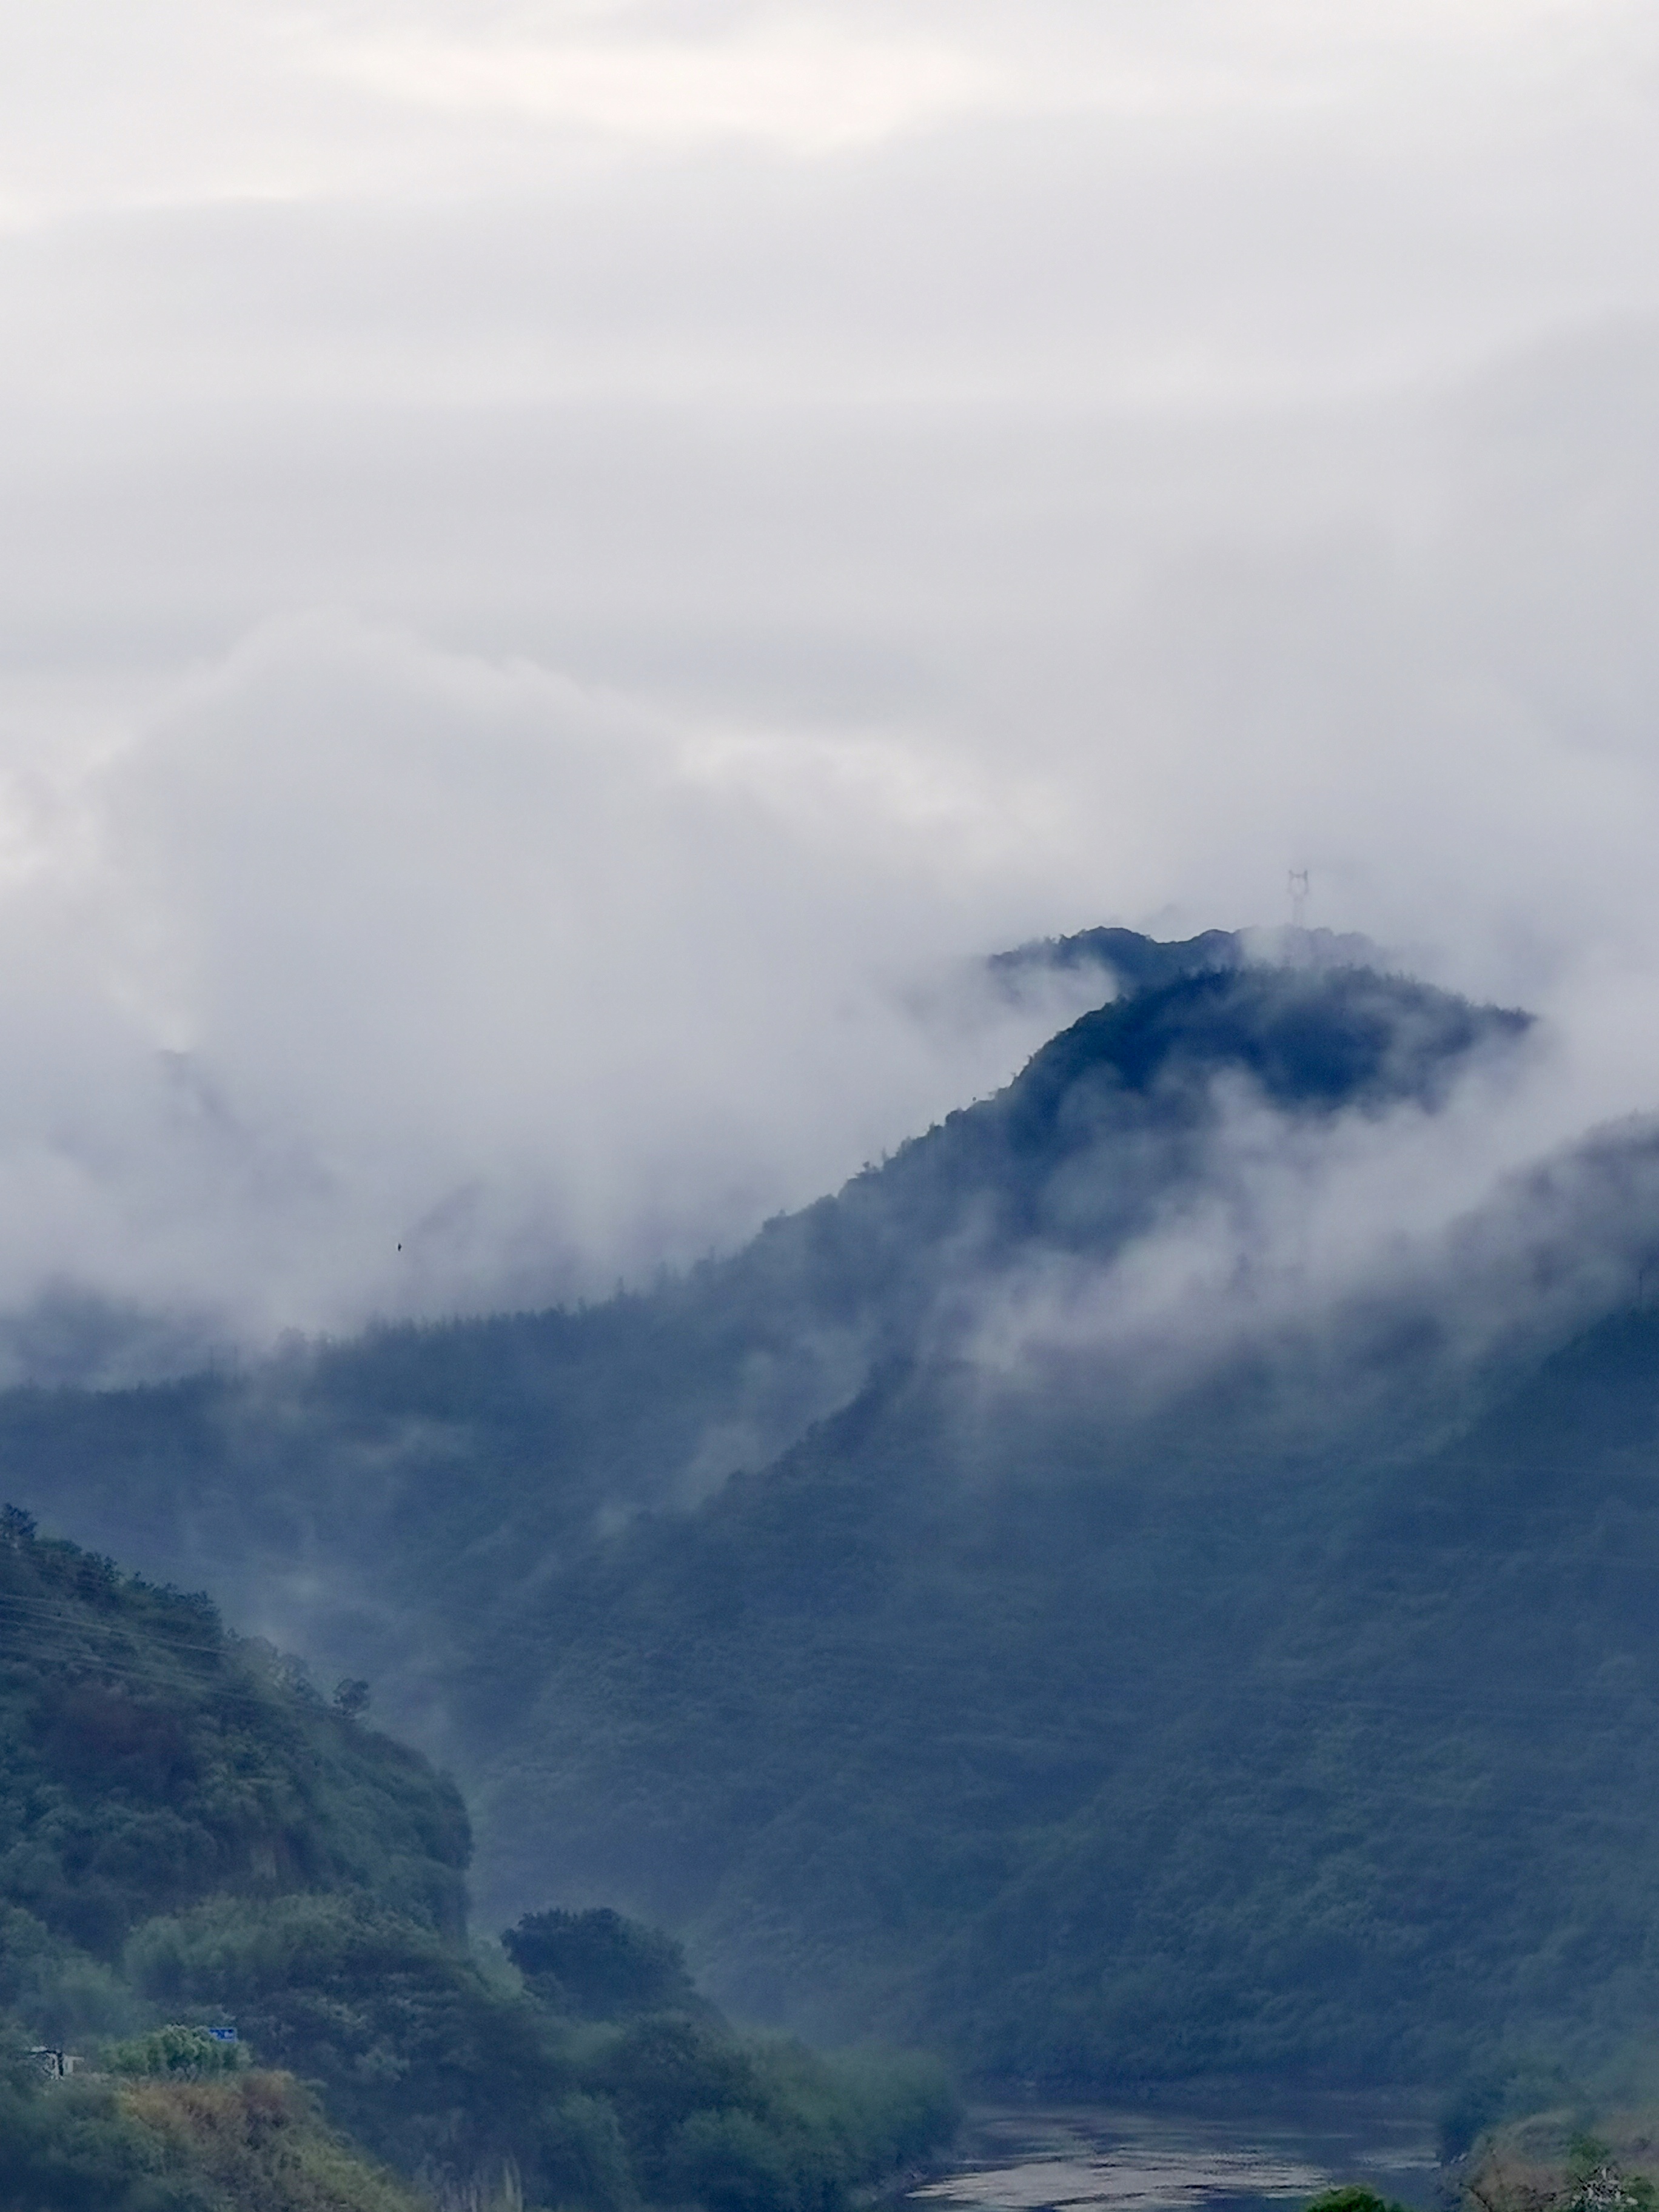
[[1312, 1038], [1133, 962]]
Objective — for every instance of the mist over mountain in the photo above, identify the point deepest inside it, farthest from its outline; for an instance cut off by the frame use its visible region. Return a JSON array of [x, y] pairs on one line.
[[638, 647], [1150, 1579]]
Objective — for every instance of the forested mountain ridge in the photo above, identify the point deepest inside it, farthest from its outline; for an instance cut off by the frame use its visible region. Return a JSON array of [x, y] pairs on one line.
[[451, 1462], [1286, 1714]]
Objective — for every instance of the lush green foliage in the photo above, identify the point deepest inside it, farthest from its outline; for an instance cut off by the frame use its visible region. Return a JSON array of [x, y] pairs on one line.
[[148, 1761], [1351, 2197], [179, 2145], [757, 2127], [69, 2148], [176, 2052], [1300, 1718], [257, 2145], [418, 2053], [192, 1839], [598, 1965]]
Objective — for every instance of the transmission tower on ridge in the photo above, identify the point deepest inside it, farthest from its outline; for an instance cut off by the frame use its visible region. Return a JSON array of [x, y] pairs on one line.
[[1299, 890]]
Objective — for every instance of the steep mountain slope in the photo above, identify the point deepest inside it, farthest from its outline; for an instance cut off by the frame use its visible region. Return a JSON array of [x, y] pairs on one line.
[[938, 1655], [148, 1761], [1219, 1760], [190, 1840], [382, 1499]]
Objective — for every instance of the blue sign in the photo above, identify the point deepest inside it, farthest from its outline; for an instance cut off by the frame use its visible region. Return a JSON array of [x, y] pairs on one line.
[[223, 2034]]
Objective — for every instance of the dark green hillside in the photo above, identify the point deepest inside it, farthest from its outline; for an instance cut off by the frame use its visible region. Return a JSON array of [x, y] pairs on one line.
[[253, 2143], [190, 1839], [1237, 1760], [151, 1761], [1293, 1715]]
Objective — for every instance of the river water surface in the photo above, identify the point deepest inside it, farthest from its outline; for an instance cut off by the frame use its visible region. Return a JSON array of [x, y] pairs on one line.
[[1154, 2159]]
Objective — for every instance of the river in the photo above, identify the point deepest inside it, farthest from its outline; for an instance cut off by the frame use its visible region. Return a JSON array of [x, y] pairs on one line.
[[1227, 2155]]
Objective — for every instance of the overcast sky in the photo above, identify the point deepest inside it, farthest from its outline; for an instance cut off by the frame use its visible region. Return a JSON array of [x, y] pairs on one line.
[[569, 567]]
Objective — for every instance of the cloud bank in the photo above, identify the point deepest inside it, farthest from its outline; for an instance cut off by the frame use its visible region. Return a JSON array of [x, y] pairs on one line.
[[571, 566]]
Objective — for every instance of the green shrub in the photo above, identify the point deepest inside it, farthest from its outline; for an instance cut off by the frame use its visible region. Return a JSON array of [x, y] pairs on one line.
[[68, 2148], [1352, 2196], [581, 2158], [257, 2144], [416, 2053], [599, 1965], [189, 2054], [730, 2162]]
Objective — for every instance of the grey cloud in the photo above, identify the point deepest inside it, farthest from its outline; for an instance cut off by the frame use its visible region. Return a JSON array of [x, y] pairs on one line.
[[381, 947], [537, 653]]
